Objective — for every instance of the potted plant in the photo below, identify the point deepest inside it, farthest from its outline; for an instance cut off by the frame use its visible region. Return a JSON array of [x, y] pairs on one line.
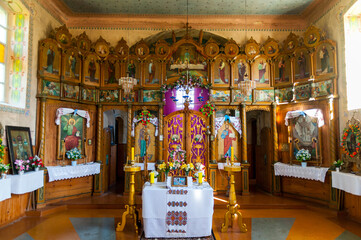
[[4, 168], [337, 164], [36, 162], [22, 165], [303, 156], [73, 154]]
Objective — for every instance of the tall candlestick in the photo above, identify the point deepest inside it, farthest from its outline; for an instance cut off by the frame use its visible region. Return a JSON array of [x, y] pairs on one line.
[[151, 178], [200, 177], [232, 155], [132, 154]]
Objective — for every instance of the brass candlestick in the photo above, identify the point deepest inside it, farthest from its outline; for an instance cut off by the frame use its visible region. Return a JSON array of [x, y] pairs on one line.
[[130, 208], [232, 204]]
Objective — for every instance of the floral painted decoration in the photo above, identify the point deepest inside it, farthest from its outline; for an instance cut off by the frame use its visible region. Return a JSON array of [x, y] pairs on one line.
[[145, 117], [36, 161], [347, 131], [22, 165], [73, 154], [303, 155], [207, 109]]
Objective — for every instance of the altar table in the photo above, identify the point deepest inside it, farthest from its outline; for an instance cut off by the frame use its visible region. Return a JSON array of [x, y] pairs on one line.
[[347, 182], [155, 210], [28, 182]]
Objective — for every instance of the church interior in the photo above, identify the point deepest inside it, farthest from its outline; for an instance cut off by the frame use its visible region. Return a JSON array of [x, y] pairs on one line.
[[188, 119]]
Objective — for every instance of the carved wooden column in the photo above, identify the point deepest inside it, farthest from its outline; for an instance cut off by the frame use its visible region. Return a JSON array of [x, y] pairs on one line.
[[275, 179], [245, 165], [98, 179], [212, 156], [333, 134], [160, 132], [129, 132], [42, 120]]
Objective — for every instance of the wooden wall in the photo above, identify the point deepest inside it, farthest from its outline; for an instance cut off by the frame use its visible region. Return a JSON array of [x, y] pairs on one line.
[[353, 206]]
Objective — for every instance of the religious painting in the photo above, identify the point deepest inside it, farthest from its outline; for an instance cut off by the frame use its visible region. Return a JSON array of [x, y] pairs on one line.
[[132, 97], [227, 137], [261, 71], [302, 61], [19, 144], [305, 135], [162, 49], [270, 47], [231, 49], [282, 70], [71, 91], [350, 143], [179, 181], [71, 134], [152, 71], [220, 95], [291, 43], [241, 96], [122, 49], [83, 43], [89, 94], [145, 142], [111, 71], [63, 36], [311, 37], [263, 95], [51, 88], [110, 95], [133, 68], [221, 72], [251, 48], [211, 49], [71, 65], [322, 89], [101, 47], [324, 59], [152, 96], [241, 69], [49, 59], [141, 49], [91, 70], [187, 59], [283, 95], [302, 92]]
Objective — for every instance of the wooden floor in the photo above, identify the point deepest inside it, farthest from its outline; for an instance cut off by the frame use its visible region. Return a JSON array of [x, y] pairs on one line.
[[266, 217]]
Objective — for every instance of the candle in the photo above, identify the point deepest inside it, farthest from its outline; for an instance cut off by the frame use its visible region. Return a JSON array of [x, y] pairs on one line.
[[151, 178], [200, 177], [232, 155], [132, 154]]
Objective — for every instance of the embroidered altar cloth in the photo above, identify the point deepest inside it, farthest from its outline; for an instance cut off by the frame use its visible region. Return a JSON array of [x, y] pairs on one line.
[[60, 173], [28, 182], [347, 182], [191, 214], [311, 173]]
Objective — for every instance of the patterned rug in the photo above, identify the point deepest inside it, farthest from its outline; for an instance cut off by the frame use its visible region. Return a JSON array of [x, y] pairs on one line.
[[197, 238]]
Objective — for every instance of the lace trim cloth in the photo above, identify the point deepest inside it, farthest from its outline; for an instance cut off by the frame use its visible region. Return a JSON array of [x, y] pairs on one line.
[[315, 113], [235, 121], [63, 111], [311, 173], [153, 121], [60, 173]]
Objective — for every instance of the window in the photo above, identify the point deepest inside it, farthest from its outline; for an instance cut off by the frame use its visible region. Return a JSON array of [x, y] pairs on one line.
[[3, 47], [352, 21]]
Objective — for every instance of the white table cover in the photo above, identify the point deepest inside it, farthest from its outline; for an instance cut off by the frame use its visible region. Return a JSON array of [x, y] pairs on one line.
[[347, 182], [150, 166], [28, 182], [199, 210], [311, 173], [221, 165], [5, 189], [60, 173]]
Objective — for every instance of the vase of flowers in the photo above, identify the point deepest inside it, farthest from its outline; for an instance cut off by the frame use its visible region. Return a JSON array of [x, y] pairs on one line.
[[36, 162], [165, 167], [187, 168], [73, 154], [337, 165], [4, 168], [22, 165], [303, 156]]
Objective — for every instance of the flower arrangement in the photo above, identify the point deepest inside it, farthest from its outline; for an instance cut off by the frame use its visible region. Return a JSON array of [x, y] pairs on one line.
[[155, 173], [2, 151], [73, 154], [187, 168], [145, 117], [352, 129], [178, 156], [36, 162], [207, 109], [303, 155], [193, 81], [4, 167], [338, 163], [22, 165], [165, 167]]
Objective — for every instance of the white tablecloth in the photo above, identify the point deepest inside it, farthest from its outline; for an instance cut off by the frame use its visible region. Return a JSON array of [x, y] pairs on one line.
[[28, 182], [199, 210], [59, 173], [5, 189], [312, 173], [221, 165], [150, 166], [347, 182]]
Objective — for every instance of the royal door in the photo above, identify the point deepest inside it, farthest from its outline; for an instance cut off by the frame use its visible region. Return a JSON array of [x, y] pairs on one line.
[[187, 129]]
